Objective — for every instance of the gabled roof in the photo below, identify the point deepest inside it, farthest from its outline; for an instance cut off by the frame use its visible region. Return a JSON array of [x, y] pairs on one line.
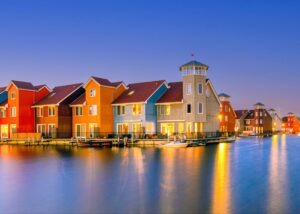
[[58, 94], [240, 113], [5, 102], [173, 94], [79, 101], [250, 115], [2, 89], [26, 85], [104, 82], [39, 87], [139, 92]]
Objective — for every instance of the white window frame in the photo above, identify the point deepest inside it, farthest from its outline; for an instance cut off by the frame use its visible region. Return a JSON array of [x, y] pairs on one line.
[[92, 92], [51, 113], [121, 110], [136, 107], [94, 109], [13, 111], [200, 84], [199, 108], [39, 112], [76, 112], [188, 88]]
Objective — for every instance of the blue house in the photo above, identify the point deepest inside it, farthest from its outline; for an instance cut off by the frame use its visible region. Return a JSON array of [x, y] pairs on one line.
[[135, 110], [3, 102], [3, 95]]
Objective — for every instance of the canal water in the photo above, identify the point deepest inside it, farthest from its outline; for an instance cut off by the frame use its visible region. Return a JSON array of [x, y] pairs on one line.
[[249, 176]]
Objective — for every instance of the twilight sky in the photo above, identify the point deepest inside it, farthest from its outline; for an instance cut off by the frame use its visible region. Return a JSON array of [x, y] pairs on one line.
[[252, 47]]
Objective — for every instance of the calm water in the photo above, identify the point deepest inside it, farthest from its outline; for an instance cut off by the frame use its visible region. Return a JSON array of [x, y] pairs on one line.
[[249, 176]]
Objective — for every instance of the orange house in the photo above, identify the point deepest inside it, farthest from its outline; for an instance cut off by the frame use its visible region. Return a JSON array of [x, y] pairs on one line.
[[227, 114], [19, 114], [92, 111], [291, 124], [53, 113]]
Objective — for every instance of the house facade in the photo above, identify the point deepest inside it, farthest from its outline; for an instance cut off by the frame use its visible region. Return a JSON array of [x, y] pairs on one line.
[[291, 124], [276, 121], [53, 115], [227, 114], [239, 120], [135, 111], [190, 106], [19, 114], [3, 113], [257, 121], [92, 112]]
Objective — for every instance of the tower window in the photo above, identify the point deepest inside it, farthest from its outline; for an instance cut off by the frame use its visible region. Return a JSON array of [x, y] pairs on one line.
[[200, 108], [189, 89], [200, 88], [188, 108]]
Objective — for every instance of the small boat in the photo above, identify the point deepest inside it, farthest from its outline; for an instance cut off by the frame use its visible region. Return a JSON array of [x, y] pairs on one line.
[[231, 139], [174, 144]]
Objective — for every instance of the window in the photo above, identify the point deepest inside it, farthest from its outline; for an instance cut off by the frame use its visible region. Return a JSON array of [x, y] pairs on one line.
[[93, 110], [122, 128], [150, 128], [136, 109], [164, 109], [200, 108], [41, 128], [13, 129], [261, 114], [13, 95], [120, 110], [39, 112], [78, 110], [256, 114], [200, 88], [3, 113], [51, 111], [256, 121], [80, 131], [52, 130], [188, 108], [188, 88], [93, 92], [260, 121], [226, 118], [93, 130], [13, 112], [226, 108]]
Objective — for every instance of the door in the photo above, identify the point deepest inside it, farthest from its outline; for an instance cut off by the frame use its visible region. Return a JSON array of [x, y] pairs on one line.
[[52, 131], [41, 128], [4, 131]]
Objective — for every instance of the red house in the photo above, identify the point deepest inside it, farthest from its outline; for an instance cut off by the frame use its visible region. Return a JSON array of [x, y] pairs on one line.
[[291, 124], [19, 114], [227, 114]]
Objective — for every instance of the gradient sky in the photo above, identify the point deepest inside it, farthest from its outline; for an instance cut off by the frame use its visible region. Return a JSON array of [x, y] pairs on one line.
[[252, 47]]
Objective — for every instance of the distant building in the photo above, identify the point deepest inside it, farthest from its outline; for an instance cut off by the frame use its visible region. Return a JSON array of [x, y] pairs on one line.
[[191, 105], [291, 124], [239, 120], [227, 114], [276, 120]]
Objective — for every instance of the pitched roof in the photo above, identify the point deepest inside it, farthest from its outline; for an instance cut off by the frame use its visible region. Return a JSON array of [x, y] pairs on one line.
[[250, 115], [2, 89], [223, 95], [106, 82], [39, 87], [173, 94], [27, 85], [193, 63], [138, 92], [2, 104], [259, 104], [79, 101], [240, 113], [58, 94]]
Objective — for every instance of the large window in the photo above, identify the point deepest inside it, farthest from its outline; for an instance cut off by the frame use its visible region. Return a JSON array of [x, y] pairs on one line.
[[164, 109], [122, 128], [93, 110], [120, 110], [188, 108], [188, 88], [13, 111], [79, 110], [41, 128], [51, 111], [13, 129], [3, 113], [136, 109], [80, 131]]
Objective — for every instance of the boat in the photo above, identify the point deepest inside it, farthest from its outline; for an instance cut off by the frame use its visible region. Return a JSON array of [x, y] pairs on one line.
[[174, 144]]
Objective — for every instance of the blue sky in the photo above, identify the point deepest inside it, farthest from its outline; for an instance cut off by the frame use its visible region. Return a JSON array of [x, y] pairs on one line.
[[252, 47]]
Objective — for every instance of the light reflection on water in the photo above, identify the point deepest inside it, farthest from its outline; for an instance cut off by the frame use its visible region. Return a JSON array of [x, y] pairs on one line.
[[249, 176]]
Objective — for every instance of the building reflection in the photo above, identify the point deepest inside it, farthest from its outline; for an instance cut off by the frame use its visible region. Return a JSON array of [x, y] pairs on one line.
[[221, 193]]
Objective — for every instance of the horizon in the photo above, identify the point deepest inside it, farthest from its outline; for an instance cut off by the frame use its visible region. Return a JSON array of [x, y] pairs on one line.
[[251, 50]]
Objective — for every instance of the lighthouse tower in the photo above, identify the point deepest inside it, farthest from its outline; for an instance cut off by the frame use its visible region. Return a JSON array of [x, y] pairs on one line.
[[194, 95]]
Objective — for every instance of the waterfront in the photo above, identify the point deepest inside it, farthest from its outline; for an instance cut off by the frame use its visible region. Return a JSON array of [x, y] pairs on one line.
[[250, 176]]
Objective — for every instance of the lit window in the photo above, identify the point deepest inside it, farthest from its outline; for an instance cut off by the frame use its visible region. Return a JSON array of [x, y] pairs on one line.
[[188, 108], [164, 109], [39, 112], [93, 110], [13, 112], [189, 89], [51, 111], [136, 109], [79, 110], [226, 118], [226, 108], [200, 88], [261, 122], [92, 92]]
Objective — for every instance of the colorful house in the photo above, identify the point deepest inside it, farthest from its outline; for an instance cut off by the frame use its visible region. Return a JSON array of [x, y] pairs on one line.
[[276, 120], [3, 108], [92, 111], [135, 111], [20, 116], [53, 113], [227, 114], [190, 106], [258, 121], [291, 124], [239, 120]]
